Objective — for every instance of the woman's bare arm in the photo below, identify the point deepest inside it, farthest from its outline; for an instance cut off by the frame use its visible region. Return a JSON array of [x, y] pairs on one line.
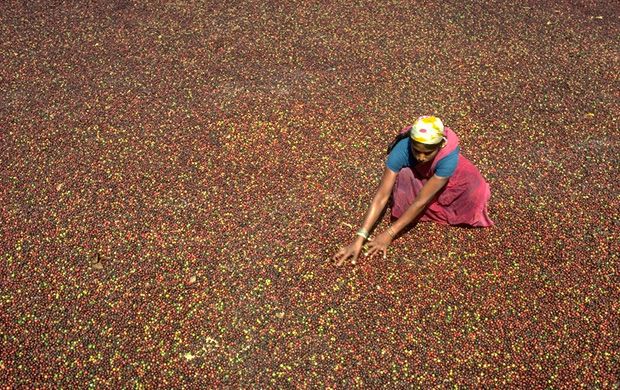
[[380, 199], [426, 194], [377, 205]]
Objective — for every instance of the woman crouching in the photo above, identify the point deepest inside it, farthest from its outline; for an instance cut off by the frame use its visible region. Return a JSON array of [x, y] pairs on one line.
[[429, 180]]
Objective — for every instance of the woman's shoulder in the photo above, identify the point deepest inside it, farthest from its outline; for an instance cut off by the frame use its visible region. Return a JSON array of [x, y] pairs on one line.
[[399, 155], [403, 144]]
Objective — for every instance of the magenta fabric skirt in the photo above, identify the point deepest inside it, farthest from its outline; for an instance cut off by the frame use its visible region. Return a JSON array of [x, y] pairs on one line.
[[463, 201]]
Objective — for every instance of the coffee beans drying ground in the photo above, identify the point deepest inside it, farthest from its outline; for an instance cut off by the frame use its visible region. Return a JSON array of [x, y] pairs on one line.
[[176, 176]]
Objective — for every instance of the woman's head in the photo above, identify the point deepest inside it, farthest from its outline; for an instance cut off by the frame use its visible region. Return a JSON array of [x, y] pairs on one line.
[[427, 130], [427, 137]]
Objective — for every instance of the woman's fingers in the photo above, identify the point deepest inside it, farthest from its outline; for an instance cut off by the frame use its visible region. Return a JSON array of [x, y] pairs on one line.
[[371, 250], [375, 248], [338, 260], [341, 256], [346, 253], [354, 259]]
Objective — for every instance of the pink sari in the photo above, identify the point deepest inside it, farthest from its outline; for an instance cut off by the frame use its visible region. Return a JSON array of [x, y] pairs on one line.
[[462, 201]]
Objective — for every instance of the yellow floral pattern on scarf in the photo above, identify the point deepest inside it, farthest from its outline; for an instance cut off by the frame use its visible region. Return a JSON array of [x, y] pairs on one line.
[[427, 130]]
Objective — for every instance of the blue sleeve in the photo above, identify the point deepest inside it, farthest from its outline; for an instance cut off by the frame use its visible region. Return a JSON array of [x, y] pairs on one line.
[[447, 165], [399, 156]]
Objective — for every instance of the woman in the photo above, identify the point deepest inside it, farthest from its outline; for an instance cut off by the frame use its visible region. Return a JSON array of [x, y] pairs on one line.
[[429, 181]]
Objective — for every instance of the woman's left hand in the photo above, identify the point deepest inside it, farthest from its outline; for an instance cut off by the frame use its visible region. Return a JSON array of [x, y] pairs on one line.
[[379, 244]]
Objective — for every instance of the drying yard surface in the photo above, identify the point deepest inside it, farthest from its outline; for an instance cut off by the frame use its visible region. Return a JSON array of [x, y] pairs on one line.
[[175, 177]]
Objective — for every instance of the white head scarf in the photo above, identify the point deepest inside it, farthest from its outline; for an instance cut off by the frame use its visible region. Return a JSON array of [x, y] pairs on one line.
[[427, 130]]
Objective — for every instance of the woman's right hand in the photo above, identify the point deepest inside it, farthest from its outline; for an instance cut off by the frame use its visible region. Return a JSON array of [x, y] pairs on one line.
[[352, 251]]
